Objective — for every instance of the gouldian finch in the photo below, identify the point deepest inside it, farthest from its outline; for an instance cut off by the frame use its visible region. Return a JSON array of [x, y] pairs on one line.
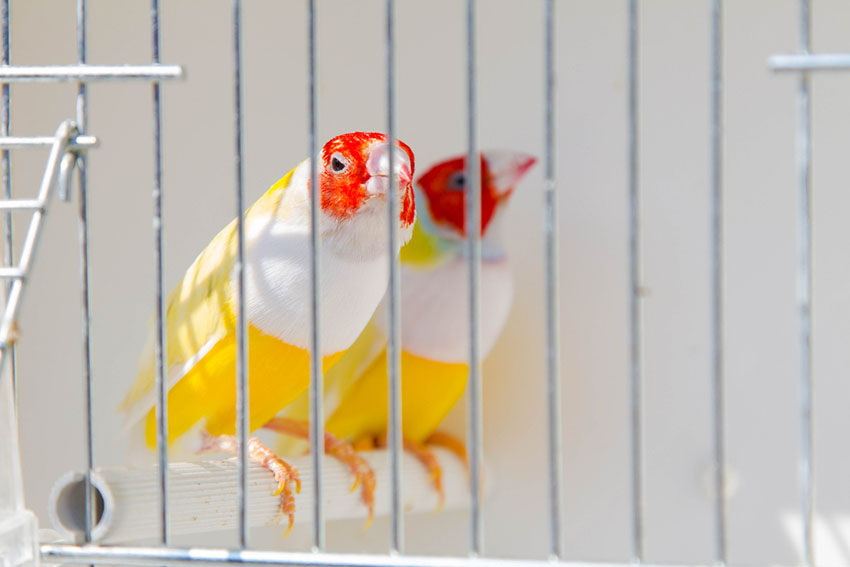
[[434, 313], [201, 318]]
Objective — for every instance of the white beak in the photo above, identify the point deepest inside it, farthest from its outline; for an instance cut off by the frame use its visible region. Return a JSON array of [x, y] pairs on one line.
[[507, 168], [378, 167]]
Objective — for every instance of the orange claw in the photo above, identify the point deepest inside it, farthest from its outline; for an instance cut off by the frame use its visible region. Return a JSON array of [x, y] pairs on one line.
[[429, 460], [364, 476], [450, 443], [284, 473], [427, 457]]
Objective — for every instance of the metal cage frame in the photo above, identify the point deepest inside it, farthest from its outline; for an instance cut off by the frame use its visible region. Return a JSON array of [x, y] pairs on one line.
[[72, 139]]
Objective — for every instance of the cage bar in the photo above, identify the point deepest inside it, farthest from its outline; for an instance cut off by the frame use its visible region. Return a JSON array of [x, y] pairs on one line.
[[88, 73], [317, 414], [804, 291], [809, 62], [160, 355], [716, 183], [394, 311], [635, 339], [20, 205], [242, 399], [212, 557], [85, 312], [473, 236], [550, 228], [27, 142]]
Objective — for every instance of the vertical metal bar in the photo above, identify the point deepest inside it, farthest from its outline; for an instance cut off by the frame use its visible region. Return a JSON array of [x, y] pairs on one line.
[[6, 176], [473, 235], [804, 290], [634, 287], [159, 342], [550, 228], [82, 119], [717, 279], [82, 90], [242, 401], [317, 418], [394, 341]]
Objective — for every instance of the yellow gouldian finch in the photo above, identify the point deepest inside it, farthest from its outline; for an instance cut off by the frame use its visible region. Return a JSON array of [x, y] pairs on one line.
[[434, 306], [201, 318]]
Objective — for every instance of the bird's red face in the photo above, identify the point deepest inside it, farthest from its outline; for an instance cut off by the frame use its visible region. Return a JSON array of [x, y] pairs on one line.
[[444, 187], [356, 168]]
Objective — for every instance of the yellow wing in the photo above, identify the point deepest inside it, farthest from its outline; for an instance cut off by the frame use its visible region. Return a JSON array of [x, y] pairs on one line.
[[200, 320], [197, 316]]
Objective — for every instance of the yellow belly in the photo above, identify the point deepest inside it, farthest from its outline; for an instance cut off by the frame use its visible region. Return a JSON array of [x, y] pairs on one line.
[[429, 390], [277, 374]]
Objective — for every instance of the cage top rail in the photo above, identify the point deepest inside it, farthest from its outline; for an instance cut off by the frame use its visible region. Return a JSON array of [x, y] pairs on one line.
[[88, 73]]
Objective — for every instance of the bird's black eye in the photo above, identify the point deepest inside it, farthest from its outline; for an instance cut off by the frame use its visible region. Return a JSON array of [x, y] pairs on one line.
[[457, 181], [338, 163]]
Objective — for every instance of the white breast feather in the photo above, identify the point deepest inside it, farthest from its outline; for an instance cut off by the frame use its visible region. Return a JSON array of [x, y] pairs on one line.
[[435, 310]]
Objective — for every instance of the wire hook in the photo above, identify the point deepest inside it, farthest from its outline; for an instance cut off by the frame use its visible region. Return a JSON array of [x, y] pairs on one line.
[[66, 168]]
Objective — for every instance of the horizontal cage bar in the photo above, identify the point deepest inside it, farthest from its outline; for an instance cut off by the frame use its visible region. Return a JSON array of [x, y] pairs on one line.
[[24, 142], [21, 205], [86, 73], [208, 556], [809, 62]]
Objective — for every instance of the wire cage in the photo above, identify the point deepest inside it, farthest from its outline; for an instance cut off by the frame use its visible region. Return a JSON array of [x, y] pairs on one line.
[[481, 69]]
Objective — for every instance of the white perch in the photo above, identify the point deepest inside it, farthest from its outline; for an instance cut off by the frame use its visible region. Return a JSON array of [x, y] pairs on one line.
[[202, 496]]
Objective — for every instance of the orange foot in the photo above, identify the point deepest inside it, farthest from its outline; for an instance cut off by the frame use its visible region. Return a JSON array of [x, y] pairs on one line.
[[364, 475], [450, 443], [285, 474], [423, 453]]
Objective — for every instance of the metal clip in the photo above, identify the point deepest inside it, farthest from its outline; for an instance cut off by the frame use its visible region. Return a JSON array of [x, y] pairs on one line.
[[66, 168]]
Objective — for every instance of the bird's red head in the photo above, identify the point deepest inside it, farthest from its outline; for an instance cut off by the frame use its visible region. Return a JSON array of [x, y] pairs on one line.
[[444, 187], [356, 168]]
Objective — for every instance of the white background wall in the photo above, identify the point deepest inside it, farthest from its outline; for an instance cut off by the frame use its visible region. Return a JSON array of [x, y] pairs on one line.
[[760, 200]]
